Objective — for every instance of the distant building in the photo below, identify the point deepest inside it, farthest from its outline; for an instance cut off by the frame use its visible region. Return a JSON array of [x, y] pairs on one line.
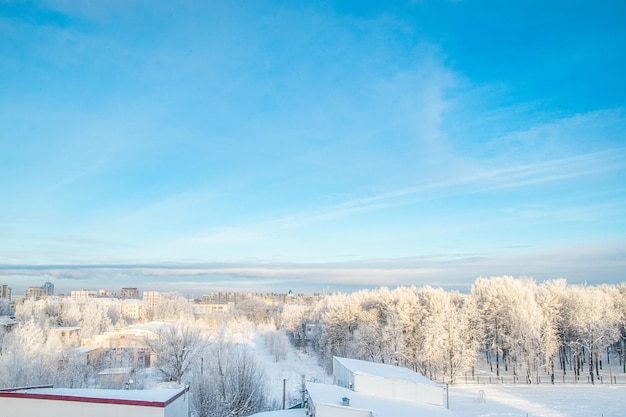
[[133, 309], [5, 292], [35, 292], [129, 293], [67, 335], [212, 308], [80, 294], [128, 346], [48, 288], [69, 402], [151, 298]]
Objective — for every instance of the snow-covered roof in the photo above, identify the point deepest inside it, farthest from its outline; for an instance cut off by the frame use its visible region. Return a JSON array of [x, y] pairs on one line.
[[383, 370], [153, 397], [84, 349], [298, 412], [116, 371], [153, 326], [382, 407]]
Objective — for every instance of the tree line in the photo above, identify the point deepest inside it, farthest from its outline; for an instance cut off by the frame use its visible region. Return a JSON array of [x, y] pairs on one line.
[[517, 326]]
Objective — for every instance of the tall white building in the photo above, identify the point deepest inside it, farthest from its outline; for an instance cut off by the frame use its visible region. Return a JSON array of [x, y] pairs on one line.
[[151, 298]]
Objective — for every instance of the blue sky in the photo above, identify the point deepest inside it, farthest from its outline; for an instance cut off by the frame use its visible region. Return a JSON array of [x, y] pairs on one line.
[[312, 146]]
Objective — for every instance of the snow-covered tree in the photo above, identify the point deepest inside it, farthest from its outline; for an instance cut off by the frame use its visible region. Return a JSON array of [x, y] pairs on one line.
[[276, 342], [445, 343], [594, 323], [231, 383], [5, 307], [173, 306], [339, 322], [512, 321], [176, 348], [29, 355]]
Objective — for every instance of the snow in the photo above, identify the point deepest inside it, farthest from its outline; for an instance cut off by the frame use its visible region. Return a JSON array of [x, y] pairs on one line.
[[539, 400], [382, 407], [153, 395], [281, 413], [384, 371]]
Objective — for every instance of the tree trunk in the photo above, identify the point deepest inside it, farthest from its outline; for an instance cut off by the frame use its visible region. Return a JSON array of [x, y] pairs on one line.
[[591, 365]]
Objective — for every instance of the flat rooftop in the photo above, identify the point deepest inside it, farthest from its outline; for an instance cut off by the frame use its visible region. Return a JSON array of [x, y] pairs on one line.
[[146, 398], [382, 407], [384, 371]]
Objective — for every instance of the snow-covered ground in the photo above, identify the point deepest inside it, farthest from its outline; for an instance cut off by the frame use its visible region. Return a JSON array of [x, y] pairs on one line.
[[539, 400]]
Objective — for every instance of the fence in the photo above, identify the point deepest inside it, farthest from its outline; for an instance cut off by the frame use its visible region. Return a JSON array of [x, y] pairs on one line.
[[546, 379]]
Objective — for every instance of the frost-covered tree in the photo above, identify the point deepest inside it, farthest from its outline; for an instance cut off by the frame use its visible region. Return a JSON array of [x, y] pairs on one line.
[[276, 342], [5, 307], [512, 321], [550, 297], [176, 348], [28, 356], [173, 306], [445, 343], [231, 383], [339, 322], [594, 323], [619, 302], [294, 319]]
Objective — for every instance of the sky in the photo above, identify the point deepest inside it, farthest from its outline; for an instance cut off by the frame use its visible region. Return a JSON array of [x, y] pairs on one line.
[[196, 146]]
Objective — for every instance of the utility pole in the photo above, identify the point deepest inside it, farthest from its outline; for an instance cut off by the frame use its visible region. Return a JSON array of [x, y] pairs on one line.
[[284, 385]]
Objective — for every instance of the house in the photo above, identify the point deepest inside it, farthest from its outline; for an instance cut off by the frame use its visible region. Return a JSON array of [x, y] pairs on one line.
[[67, 402], [68, 336], [128, 346], [389, 381]]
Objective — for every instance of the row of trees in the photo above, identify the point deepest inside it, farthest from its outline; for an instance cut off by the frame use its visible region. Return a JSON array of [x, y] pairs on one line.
[[516, 325]]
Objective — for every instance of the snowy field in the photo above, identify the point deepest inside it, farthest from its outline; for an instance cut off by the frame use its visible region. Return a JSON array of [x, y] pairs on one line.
[[539, 401]]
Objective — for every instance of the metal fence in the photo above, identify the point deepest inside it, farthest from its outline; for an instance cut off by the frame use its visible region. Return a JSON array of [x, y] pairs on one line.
[[545, 379]]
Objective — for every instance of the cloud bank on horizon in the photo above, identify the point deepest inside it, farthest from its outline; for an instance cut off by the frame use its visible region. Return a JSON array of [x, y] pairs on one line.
[[269, 145]]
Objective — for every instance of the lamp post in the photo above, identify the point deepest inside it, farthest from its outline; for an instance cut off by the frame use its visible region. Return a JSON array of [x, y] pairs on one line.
[[284, 385]]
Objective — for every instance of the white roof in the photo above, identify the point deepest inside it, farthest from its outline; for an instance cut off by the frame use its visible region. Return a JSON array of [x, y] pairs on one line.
[[383, 370], [382, 407], [298, 412], [116, 371], [153, 326], [152, 395]]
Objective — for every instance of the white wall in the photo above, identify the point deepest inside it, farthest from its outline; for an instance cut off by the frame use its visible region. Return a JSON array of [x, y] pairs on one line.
[[341, 375], [178, 408], [399, 389]]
